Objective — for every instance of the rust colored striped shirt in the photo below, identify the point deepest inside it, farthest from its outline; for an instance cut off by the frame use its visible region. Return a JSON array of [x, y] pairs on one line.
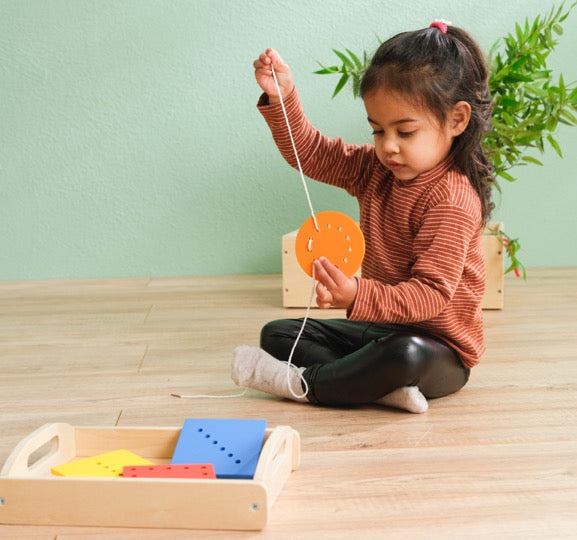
[[424, 265]]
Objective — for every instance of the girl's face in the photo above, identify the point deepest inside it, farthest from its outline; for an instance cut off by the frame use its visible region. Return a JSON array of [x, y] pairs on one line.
[[409, 140]]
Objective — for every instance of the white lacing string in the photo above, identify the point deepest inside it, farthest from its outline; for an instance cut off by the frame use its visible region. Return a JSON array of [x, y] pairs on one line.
[[208, 396], [289, 361], [294, 146]]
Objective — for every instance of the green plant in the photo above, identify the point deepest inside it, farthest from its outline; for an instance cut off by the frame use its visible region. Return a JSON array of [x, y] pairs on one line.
[[511, 246], [528, 104]]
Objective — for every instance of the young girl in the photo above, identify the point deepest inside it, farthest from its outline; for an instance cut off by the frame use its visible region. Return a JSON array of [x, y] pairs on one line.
[[414, 326]]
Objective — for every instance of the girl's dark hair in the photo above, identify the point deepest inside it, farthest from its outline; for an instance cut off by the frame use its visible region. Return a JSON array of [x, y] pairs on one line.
[[438, 70]]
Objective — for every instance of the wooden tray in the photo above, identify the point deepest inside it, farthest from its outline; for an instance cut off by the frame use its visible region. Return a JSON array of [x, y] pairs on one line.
[[30, 495]]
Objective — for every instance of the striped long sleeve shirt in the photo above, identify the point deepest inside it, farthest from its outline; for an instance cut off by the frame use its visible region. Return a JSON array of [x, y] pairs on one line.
[[423, 264]]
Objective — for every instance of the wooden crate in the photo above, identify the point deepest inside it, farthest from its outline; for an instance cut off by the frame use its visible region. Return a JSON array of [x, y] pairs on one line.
[[494, 285], [30, 495], [297, 284]]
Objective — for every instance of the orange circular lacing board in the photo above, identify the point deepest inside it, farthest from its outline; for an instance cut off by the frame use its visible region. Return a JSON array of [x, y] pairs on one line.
[[338, 238]]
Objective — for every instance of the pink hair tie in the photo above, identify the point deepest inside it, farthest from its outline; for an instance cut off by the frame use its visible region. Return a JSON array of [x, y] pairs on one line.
[[442, 25]]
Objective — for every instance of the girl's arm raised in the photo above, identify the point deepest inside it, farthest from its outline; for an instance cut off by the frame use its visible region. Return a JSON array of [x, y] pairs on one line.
[[328, 160]]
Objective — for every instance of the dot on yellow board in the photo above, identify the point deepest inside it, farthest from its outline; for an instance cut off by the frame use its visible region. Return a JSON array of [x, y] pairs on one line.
[[338, 238]]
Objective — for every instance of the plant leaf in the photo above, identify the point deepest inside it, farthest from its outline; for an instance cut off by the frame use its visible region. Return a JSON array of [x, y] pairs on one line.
[[327, 70], [340, 85], [555, 145], [530, 159], [568, 118], [355, 59], [506, 176], [346, 62]]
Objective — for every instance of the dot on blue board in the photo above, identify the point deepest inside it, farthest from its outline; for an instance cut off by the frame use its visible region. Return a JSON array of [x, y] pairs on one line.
[[232, 446]]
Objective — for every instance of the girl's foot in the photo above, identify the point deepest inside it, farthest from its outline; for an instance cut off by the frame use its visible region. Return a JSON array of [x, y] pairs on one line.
[[254, 368], [408, 398]]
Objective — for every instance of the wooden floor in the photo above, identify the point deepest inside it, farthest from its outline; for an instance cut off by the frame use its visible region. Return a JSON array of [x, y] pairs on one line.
[[496, 460]]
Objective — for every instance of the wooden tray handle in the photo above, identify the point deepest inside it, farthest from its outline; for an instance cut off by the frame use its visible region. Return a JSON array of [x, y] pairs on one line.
[[280, 455], [51, 444]]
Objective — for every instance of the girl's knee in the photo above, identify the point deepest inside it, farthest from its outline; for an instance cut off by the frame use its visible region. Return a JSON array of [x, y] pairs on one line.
[[275, 334], [429, 364], [409, 352], [268, 334]]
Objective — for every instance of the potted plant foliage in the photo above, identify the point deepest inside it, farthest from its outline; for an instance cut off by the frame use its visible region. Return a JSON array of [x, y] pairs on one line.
[[528, 104]]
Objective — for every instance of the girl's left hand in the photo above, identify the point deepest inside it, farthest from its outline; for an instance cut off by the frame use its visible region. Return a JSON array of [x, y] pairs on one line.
[[334, 289]]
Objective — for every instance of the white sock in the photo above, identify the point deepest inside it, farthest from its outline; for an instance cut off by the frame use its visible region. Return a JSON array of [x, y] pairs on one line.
[[408, 398], [254, 368]]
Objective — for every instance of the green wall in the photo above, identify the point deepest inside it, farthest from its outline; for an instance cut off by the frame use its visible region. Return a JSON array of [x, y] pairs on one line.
[[130, 145]]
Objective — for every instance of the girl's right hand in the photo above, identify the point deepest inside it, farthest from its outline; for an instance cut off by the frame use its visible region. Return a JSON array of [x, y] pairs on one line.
[[263, 74]]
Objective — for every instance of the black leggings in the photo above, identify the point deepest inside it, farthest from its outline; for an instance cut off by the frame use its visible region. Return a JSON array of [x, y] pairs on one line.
[[352, 362]]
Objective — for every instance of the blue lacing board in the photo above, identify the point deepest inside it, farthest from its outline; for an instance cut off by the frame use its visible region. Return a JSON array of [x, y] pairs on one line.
[[232, 446]]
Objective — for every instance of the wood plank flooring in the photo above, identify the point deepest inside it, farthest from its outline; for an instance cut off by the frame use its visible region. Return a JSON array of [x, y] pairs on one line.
[[498, 459]]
